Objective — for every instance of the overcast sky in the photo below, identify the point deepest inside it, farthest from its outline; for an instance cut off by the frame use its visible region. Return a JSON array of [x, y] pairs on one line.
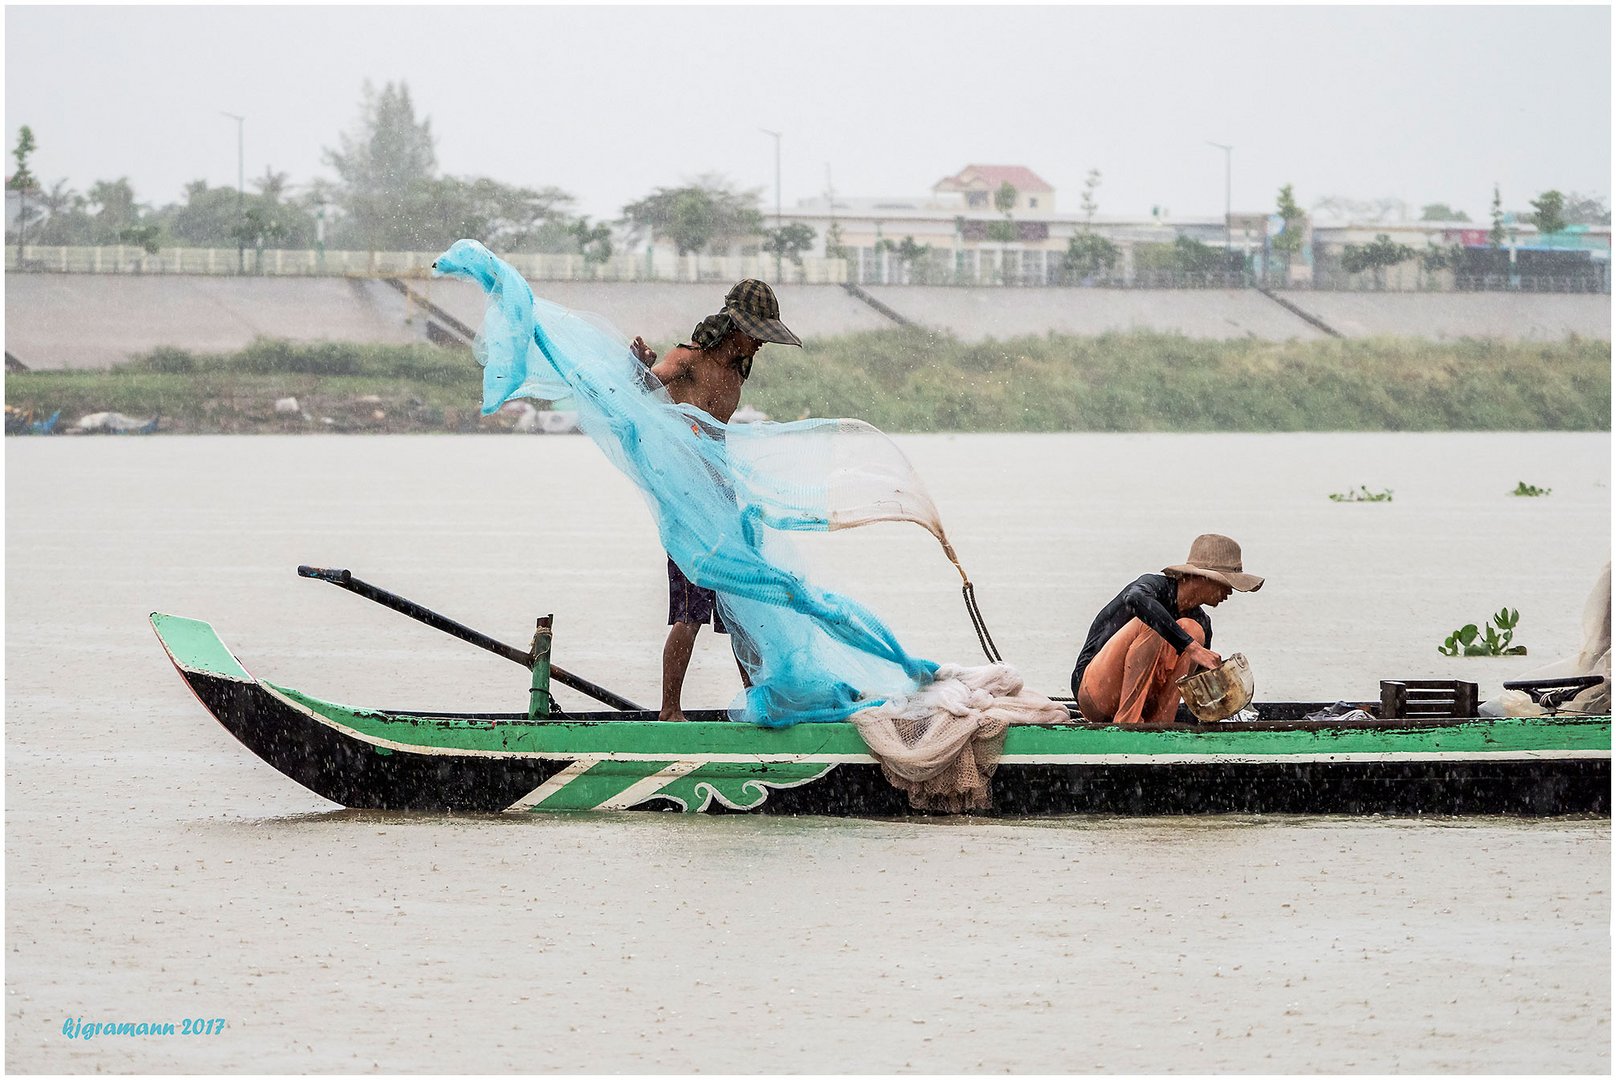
[[1420, 104]]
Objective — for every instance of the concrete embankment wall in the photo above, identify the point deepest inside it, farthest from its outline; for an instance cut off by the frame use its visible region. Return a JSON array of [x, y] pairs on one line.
[[973, 314], [93, 321], [1450, 316]]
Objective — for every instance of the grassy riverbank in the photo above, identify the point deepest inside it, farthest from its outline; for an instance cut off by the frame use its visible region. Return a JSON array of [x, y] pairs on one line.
[[910, 381]]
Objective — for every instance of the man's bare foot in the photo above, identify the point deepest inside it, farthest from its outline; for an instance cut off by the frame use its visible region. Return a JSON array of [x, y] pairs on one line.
[[674, 714]]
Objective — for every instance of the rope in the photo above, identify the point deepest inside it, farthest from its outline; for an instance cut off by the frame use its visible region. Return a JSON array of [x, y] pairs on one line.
[[985, 639], [990, 650]]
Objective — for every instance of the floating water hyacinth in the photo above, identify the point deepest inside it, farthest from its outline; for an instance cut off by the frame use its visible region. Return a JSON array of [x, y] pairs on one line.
[[1363, 494], [1496, 640]]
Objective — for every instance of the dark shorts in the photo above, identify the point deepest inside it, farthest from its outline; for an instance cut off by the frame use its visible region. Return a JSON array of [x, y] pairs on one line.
[[689, 602]]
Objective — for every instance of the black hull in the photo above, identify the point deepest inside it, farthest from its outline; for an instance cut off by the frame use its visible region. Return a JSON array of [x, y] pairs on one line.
[[1520, 788], [352, 773]]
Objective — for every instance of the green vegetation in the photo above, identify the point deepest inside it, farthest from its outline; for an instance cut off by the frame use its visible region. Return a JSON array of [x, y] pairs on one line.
[[1363, 494], [1356, 258], [1469, 641], [1090, 203], [1088, 255], [911, 380], [22, 181], [1548, 212], [1442, 212], [790, 241], [1289, 240], [696, 215], [1530, 490], [421, 388]]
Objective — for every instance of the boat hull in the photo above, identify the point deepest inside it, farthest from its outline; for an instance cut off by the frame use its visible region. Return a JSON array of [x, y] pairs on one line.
[[397, 760]]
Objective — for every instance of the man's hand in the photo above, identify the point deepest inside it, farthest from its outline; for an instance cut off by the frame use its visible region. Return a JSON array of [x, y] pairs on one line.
[[1201, 655], [642, 352]]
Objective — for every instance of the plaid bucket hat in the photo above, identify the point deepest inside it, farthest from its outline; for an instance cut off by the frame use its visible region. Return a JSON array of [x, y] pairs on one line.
[[752, 305]]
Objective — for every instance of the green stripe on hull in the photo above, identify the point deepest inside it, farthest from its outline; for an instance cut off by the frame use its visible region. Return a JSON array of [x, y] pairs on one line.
[[630, 740], [615, 738], [690, 785], [604, 781]]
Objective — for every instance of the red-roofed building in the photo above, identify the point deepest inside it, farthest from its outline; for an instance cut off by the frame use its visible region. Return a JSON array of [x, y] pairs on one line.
[[979, 183]]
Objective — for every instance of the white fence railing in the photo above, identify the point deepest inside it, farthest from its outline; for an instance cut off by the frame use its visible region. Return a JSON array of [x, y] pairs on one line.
[[659, 266], [664, 266]]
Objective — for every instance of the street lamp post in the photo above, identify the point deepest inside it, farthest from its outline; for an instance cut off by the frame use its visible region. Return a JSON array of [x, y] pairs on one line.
[[1228, 173], [319, 234], [777, 252], [241, 191]]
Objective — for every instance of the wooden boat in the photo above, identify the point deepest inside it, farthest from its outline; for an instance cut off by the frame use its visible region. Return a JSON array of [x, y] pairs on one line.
[[401, 759]]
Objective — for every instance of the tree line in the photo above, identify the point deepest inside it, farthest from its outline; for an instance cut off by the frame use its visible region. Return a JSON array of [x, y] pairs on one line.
[[388, 195]]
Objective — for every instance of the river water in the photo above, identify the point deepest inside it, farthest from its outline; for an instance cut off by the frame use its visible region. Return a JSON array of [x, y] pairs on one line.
[[156, 871]]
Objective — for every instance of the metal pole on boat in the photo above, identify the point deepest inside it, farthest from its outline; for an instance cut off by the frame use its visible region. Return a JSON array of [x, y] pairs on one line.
[[346, 580]]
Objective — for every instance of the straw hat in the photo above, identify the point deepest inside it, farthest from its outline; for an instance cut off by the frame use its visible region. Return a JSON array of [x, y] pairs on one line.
[[1217, 557]]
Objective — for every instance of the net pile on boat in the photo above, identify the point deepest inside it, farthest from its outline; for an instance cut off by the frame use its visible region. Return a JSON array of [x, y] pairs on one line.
[[941, 744], [725, 499], [1592, 659]]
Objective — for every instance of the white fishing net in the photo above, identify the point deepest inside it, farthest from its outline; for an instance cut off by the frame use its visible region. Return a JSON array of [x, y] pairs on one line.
[[1592, 659], [942, 743]]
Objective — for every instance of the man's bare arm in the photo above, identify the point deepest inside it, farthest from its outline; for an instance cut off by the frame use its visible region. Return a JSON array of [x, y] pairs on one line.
[[671, 368], [665, 372]]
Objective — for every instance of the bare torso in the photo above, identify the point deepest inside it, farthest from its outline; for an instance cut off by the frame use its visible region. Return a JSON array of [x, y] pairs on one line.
[[709, 379], [709, 382]]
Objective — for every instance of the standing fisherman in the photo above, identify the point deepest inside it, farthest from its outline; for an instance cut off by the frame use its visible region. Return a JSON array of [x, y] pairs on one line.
[[707, 373], [1155, 632]]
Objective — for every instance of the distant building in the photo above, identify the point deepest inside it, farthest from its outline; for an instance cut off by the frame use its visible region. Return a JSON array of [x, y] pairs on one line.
[[980, 183], [956, 233], [1577, 258]]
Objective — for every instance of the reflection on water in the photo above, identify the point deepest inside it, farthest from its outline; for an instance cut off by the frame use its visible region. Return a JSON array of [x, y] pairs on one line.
[[157, 870]]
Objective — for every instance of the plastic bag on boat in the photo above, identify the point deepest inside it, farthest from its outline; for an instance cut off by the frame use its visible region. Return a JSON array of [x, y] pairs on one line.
[[1592, 659], [1341, 710], [724, 497]]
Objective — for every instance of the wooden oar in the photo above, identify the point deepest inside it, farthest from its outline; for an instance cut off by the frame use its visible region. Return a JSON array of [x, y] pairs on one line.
[[415, 611]]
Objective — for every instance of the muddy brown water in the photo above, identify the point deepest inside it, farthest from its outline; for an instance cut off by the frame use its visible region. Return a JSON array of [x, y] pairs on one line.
[[157, 872]]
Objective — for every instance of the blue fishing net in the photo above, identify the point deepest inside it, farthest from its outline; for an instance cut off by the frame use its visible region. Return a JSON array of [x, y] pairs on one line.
[[723, 496]]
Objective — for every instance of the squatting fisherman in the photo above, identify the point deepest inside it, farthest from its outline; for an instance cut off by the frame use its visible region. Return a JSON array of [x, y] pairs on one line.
[[708, 372], [1155, 632]]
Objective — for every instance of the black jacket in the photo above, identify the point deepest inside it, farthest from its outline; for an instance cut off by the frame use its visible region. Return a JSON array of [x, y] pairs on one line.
[[1153, 600]]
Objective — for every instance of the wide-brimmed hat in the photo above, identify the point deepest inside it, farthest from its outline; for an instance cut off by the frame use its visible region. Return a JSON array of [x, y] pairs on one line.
[[756, 311], [1217, 557]]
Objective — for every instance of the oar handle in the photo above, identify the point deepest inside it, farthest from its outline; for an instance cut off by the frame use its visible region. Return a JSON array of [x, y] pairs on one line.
[[345, 579]]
